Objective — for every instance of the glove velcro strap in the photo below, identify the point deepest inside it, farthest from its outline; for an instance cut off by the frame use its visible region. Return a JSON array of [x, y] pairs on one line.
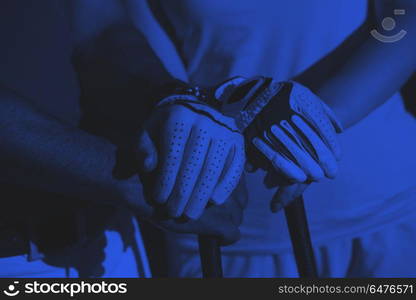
[[247, 116]]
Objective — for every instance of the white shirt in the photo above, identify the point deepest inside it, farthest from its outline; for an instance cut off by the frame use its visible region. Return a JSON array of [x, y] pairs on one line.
[[218, 39]]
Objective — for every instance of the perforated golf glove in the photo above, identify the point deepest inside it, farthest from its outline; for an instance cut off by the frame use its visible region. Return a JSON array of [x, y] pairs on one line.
[[196, 152], [287, 123]]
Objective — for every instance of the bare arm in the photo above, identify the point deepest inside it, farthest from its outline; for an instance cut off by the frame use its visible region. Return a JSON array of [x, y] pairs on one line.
[[39, 152], [373, 71], [120, 75]]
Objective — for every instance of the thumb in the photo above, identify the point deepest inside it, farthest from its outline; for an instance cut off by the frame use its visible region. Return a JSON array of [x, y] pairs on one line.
[[146, 152]]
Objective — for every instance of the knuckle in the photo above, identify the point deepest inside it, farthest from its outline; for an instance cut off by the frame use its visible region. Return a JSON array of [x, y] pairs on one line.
[[316, 176]]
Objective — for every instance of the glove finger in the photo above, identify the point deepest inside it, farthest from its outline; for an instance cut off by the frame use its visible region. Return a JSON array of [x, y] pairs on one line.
[[231, 173], [324, 156], [279, 162], [326, 132], [192, 163], [315, 112], [303, 158], [146, 152], [225, 89], [172, 147], [208, 178]]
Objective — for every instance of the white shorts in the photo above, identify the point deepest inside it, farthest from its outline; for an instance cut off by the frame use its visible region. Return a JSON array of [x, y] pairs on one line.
[[388, 252]]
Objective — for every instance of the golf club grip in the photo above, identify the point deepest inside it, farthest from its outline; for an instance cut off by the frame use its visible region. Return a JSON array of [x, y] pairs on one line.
[[210, 254], [301, 240]]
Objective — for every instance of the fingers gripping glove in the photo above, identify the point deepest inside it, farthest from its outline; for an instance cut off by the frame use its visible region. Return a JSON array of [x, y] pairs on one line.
[[201, 154], [291, 126]]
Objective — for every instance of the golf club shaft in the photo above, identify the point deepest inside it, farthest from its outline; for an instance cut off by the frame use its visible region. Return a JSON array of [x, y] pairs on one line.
[[301, 240], [210, 254]]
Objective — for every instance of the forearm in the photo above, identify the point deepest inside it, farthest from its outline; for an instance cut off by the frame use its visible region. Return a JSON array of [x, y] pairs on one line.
[[120, 77], [39, 152], [370, 76]]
